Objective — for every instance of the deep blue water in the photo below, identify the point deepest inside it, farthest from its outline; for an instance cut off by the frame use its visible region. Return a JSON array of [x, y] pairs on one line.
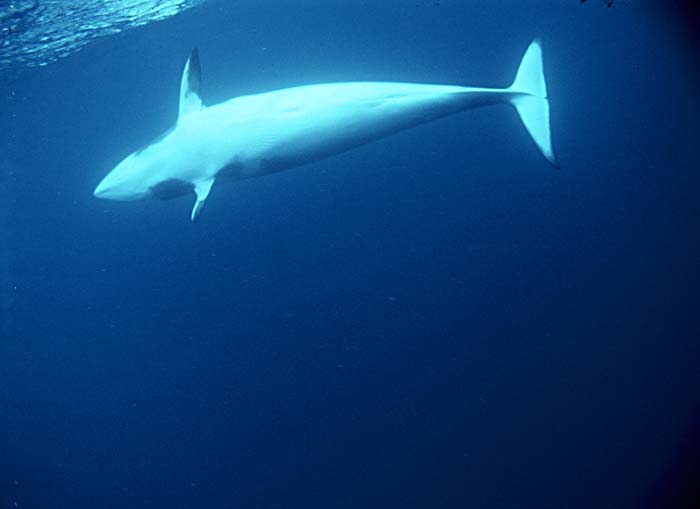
[[438, 319]]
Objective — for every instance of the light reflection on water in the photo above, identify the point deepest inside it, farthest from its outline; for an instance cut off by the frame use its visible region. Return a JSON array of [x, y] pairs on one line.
[[38, 32]]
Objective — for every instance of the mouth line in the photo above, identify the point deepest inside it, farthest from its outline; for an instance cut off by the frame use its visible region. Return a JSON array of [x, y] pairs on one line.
[[103, 193], [99, 191]]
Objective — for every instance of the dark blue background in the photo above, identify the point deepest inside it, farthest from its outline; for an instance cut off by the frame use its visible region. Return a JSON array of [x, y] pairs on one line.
[[435, 320]]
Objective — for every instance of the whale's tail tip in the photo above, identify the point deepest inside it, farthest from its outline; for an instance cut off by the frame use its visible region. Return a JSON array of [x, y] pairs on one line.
[[530, 100]]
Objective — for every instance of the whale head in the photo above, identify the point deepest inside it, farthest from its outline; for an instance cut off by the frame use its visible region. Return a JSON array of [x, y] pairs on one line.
[[128, 181], [163, 168]]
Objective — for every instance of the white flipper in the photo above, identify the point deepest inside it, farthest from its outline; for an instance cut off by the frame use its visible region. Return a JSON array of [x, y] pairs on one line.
[[190, 86], [531, 100], [201, 189]]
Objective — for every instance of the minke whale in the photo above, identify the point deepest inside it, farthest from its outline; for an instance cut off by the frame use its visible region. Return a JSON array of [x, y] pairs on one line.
[[256, 135]]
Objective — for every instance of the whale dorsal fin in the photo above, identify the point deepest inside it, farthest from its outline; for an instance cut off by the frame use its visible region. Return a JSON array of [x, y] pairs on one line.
[[191, 86], [201, 189]]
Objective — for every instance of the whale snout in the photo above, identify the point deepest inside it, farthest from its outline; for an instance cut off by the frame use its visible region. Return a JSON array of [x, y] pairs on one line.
[[102, 190], [109, 188], [113, 188]]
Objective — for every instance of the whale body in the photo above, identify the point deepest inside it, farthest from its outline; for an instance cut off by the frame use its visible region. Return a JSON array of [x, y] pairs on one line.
[[255, 135]]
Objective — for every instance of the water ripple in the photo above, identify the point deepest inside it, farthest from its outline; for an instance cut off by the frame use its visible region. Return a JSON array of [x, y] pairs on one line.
[[38, 32]]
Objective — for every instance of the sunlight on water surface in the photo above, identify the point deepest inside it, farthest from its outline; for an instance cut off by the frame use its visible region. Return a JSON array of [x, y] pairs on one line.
[[38, 32]]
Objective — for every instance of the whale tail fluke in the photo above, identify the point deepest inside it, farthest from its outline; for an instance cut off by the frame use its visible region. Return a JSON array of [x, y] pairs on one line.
[[530, 100]]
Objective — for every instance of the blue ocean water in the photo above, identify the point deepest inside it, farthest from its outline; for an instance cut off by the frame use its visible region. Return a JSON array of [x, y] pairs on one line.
[[438, 319]]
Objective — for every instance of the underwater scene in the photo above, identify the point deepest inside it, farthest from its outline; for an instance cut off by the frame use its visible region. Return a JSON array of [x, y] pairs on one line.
[[305, 254]]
